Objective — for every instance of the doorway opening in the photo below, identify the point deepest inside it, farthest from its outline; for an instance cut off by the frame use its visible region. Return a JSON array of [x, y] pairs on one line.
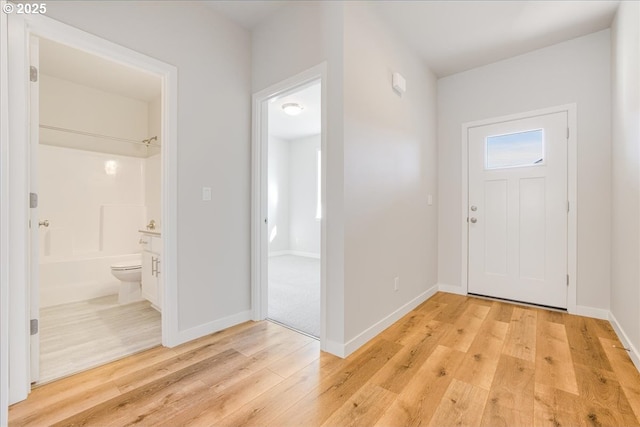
[[294, 191], [23, 143], [96, 169], [296, 236]]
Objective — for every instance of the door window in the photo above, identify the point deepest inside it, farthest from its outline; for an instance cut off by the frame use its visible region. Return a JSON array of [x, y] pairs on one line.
[[513, 150]]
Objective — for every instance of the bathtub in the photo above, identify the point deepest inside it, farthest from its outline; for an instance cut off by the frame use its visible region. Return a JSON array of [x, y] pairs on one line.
[[78, 278]]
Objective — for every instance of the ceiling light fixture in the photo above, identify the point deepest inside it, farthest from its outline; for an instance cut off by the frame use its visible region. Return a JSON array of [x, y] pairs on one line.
[[292, 109]]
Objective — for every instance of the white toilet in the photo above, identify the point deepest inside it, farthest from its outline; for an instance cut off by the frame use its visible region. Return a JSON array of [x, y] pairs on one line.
[[130, 275]]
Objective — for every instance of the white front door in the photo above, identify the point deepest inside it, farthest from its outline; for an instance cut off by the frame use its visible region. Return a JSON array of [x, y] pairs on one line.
[[517, 210]]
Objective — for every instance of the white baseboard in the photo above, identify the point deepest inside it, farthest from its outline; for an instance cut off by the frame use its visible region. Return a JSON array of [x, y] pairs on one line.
[[278, 253], [211, 327], [596, 313], [451, 289], [334, 348], [624, 339], [296, 253], [362, 338], [305, 254]]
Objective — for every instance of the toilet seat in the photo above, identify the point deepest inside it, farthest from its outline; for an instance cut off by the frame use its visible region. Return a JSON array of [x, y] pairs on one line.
[[125, 266]]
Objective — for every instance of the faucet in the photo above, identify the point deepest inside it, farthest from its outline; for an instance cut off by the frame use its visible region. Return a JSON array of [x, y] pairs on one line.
[[151, 225]]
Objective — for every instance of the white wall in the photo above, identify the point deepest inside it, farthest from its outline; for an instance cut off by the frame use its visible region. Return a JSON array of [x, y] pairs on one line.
[[390, 168], [152, 190], [212, 55], [153, 163], [292, 186], [94, 203], [278, 189], [576, 71], [381, 162], [304, 228], [4, 226], [69, 105], [625, 227]]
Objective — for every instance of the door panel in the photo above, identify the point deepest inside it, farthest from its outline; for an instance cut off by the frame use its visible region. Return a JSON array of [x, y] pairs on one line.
[[518, 210], [34, 238]]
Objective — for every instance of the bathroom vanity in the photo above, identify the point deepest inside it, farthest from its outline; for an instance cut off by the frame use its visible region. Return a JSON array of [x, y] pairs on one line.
[[151, 245]]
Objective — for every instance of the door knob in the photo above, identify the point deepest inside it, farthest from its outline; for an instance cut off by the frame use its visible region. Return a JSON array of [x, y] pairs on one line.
[[473, 220], [44, 223]]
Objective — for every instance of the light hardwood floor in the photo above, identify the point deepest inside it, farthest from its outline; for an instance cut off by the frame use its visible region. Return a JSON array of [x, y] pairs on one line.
[[452, 361], [82, 335]]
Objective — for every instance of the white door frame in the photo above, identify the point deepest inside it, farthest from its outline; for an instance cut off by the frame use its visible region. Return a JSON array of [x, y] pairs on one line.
[[4, 224], [20, 29], [572, 180], [259, 246]]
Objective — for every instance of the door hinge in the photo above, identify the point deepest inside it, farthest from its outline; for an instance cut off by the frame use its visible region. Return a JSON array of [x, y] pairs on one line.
[[34, 326], [568, 206], [33, 200], [33, 74], [567, 280], [567, 133]]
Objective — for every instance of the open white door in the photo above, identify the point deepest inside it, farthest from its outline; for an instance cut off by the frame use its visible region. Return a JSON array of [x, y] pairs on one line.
[[517, 209], [34, 242]]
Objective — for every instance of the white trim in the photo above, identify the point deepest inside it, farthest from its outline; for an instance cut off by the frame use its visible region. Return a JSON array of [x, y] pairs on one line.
[[296, 253], [596, 313], [279, 253], [19, 375], [624, 339], [451, 289], [21, 27], [371, 332], [259, 250], [572, 179], [214, 326], [4, 224], [305, 254]]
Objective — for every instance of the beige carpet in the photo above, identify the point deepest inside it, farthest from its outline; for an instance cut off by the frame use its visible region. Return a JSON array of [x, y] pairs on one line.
[[294, 292]]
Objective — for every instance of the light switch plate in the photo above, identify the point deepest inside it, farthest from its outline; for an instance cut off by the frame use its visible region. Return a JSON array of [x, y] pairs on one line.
[[206, 194]]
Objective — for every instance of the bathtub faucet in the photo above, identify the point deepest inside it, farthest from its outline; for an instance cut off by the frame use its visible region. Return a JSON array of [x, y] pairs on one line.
[[151, 225]]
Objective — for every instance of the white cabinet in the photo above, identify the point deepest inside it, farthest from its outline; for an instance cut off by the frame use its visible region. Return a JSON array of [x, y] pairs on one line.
[[151, 269]]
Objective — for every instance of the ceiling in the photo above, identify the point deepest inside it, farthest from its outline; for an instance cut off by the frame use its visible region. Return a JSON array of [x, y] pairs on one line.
[[454, 36], [247, 13], [307, 123], [64, 62], [451, 36]]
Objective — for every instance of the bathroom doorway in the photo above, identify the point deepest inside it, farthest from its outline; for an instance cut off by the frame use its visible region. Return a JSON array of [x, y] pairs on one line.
[[294, 190], [99, 183]]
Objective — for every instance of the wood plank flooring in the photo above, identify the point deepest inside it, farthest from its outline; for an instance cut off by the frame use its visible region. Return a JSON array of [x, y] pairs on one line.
[[454, 360], [81, 335]]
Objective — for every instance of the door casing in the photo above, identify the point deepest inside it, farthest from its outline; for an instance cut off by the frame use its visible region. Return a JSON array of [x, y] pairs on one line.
[[572, 177], [259, 247], [20, 30]]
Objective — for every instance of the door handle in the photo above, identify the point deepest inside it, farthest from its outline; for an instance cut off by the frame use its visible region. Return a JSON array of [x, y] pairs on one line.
[[154, 266], [474, 208], [44, 223], [473, 220]]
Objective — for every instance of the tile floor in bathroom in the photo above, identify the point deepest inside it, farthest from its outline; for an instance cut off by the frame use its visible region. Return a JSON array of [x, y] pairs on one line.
[[81, 335]]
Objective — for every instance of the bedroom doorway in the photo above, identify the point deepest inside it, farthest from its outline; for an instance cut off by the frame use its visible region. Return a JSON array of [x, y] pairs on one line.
[[289, 234], [294, 175]]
